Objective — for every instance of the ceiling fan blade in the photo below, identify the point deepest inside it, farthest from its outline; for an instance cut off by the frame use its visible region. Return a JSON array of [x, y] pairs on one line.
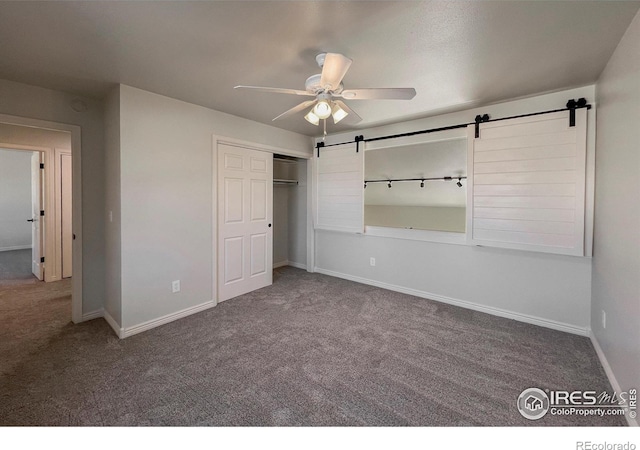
[[378, 94], [333, 70], [276, 90], [296, 109], [352, 117]]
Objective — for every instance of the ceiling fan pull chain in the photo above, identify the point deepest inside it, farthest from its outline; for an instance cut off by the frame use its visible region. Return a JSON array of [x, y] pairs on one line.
[[325, 130]]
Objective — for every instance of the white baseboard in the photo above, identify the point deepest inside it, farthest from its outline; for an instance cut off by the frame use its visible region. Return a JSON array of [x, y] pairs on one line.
[[610, 375], [15, 247], [113, 324], [280, 264], [144, 326], [93, 315], [560, 326], [298, 265]]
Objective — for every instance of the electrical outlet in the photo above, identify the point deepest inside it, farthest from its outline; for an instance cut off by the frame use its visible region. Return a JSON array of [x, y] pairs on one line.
[[372, 261], [604, 319], [175, 286]]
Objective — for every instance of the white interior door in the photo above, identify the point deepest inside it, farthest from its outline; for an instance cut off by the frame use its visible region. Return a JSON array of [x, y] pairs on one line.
[[245, 209], [65, 215], [37, 225]]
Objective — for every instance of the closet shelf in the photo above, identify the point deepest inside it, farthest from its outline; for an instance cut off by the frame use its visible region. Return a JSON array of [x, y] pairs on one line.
[[280, 181], [284, 160]]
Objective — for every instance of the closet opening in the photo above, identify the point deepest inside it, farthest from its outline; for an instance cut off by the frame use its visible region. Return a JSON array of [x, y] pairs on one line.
[[289, 211]]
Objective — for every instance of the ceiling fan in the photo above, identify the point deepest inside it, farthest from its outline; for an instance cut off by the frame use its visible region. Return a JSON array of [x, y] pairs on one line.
[[328, 89]]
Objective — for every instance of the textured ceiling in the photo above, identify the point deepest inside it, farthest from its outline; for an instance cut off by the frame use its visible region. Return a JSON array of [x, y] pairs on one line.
[[455, 54]]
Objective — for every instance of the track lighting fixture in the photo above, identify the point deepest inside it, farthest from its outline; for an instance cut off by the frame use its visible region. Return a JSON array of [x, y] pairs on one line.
[[421, 180]]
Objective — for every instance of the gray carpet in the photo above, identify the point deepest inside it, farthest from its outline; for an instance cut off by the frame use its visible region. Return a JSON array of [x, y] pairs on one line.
[[309, 350]]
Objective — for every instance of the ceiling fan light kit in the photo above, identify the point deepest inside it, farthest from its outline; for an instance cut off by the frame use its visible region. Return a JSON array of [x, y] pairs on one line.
[[327, 86]]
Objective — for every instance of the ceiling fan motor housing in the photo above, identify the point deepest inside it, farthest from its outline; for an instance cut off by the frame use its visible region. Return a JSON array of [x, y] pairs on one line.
[[313, 85]]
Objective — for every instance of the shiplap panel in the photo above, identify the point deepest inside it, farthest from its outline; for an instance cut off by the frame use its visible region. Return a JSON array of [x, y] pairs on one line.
[[338, 207], [534, 165], [540, 140], [555, 215], [533, 190], [527, 226], [548, 124], [339, 167], [525, 202], [340, 189], [537, 239], [526, 181], [565, 176], [520, 154]]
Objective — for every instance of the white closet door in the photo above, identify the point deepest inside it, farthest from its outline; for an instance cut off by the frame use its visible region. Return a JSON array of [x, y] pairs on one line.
[[37, 221], [526, 183], [245, 234], [340, 189]]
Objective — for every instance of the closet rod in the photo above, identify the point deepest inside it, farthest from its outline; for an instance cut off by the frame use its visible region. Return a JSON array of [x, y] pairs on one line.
[[572, 105]]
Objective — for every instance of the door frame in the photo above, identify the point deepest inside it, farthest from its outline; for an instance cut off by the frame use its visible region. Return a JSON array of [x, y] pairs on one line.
[[76, 202], [217, 139]]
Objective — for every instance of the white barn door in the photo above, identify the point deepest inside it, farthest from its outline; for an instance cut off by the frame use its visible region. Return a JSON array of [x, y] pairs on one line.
[[245, 235], [526, 183]]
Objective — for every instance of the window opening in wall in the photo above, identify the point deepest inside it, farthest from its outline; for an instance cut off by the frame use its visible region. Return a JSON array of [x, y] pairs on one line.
[[420, 186]]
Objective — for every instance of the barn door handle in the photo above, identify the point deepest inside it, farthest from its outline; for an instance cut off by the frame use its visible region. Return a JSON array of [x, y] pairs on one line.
[[29, 220]]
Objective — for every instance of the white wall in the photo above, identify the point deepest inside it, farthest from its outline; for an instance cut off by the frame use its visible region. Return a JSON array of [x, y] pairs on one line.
[[551, 290], [417, 217], [113, 263], [616, 254], [166, 181], [15, 199], [45, 104]]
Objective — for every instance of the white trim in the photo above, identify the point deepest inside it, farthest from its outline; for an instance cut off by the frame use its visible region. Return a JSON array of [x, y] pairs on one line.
[[280, 264], [261, 147], [15, 247], [298, 265], [144, 326], [610, 375], [547, 323], [93, 315], [311, 207], [113, 324]]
